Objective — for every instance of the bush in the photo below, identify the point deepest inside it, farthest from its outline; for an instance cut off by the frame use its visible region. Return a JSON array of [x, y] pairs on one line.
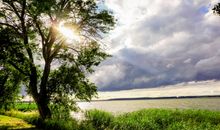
[[60, 111], [54, 124], [25, 106], [10, 81], [84, 125], [100, 120]]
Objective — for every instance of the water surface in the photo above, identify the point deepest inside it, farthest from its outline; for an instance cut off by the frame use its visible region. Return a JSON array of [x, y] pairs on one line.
[[122, 106]]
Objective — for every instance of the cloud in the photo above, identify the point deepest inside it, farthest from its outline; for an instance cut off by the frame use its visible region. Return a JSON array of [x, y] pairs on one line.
[[200, 88], [159, 43], [111, 73]]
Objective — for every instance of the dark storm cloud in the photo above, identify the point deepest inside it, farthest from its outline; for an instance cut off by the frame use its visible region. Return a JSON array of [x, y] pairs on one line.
[[167, 44]]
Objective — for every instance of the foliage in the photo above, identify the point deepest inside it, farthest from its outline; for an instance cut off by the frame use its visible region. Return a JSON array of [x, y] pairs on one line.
[[99, 119], [146, 119], [9, 87], [10, 78], [61, 110], [157, 119], [55, 124], [216, 9], [30, 34], [25, 106]]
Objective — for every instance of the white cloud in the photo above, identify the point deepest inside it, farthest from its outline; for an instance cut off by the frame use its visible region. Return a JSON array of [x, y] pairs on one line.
[[161, 42], [107, 74], [187, 61]]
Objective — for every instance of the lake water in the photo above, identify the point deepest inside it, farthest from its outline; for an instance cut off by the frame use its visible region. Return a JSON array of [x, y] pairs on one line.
[[122, 106]]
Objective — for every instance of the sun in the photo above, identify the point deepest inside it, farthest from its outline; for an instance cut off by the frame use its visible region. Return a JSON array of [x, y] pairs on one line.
[[69, 33]]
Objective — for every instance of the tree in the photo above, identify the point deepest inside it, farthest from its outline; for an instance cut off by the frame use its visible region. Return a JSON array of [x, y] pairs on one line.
[[216, 9], [38, 31], [10, 81], [10, 78]]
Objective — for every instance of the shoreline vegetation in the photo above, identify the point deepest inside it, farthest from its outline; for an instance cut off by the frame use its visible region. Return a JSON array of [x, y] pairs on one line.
[[145, 119]]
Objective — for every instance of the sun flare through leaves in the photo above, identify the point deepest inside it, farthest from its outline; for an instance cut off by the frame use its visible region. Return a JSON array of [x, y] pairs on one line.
[[69, 33]]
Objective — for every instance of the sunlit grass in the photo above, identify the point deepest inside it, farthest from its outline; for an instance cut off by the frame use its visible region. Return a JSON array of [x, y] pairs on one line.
[[18, 114], [31, 117], [13, 123], [145, 119]]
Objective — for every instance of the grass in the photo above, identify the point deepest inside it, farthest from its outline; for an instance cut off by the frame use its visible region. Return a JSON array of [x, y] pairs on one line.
[[33, 118], [13, 123], [157, 119], [146, 119], [99, 119], [54, 124]]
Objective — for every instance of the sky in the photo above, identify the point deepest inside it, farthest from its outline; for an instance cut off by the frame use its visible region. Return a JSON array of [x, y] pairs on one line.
[[157, 43], [201, 88]]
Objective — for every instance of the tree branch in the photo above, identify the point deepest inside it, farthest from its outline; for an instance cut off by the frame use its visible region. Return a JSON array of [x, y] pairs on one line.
[[11, 26], [73, 49], [55, 51], [17, 68], [15, 10], [40, 32], [23, 8]]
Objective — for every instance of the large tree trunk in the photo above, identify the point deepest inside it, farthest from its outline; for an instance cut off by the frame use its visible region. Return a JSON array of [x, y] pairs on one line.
[[39, 94], [40, 100], [43, 108], [43, 101]]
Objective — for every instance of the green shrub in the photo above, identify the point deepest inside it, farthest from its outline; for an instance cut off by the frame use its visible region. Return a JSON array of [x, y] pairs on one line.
[[84, 125], [99, 119], [10, 81], [25, 106], [60, 111], [54, 124]]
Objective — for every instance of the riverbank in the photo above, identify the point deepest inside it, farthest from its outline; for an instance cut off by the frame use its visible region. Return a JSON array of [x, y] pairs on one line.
[[156, 119], [153, 119]]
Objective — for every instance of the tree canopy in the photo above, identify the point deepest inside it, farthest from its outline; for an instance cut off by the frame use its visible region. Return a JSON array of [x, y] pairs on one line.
[[10, 81], [53, 44], [216, 8]]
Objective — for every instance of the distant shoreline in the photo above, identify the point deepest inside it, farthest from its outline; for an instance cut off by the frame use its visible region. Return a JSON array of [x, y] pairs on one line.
[[143, 98], [155, 98]]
